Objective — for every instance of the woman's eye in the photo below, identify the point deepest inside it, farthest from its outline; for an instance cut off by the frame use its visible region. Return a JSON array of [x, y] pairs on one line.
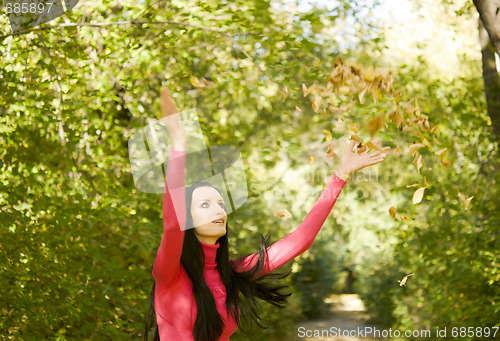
[[202, 205], [221, 205]]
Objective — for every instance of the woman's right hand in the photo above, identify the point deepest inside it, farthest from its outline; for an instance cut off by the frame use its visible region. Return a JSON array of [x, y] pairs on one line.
[[171, 119]]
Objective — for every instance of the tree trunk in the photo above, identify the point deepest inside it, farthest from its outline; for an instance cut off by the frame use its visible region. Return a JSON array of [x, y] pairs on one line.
[[491, 79], [489, 12]]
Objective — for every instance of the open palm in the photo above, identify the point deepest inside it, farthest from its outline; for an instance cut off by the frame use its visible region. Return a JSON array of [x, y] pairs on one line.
[[351, 162]]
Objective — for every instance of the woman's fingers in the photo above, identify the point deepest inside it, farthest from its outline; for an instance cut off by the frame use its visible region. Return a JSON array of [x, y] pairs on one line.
[[352, 144]]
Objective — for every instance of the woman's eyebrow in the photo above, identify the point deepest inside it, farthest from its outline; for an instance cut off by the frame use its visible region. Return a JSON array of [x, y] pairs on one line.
[[209, 199]]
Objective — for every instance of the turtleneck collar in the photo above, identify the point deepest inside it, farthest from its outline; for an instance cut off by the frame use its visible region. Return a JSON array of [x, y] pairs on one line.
[[210, 252]]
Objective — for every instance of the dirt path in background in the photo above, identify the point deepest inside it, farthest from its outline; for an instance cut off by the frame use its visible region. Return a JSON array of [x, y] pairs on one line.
[[347, 313]]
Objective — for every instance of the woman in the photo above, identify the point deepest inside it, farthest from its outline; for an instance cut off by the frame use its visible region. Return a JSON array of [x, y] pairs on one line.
[[197, 288]]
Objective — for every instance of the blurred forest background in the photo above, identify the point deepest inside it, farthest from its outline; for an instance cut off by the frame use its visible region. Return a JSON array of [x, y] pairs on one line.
[[285, 84]]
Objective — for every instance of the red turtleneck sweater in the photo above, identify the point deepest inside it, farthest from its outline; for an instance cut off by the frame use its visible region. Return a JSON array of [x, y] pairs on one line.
[[174, 299]]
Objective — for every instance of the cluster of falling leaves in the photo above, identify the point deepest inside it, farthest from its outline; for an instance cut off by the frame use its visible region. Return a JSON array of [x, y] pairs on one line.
[[351, 81]]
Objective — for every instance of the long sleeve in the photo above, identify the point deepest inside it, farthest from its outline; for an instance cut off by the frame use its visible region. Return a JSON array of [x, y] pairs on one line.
[[302, 237], [167, 264]]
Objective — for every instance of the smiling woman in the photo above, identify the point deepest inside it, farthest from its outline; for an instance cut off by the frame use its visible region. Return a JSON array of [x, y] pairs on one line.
[[199, 293]]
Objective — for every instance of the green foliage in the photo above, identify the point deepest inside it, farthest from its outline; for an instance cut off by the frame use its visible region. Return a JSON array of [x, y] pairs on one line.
[[315, 277]]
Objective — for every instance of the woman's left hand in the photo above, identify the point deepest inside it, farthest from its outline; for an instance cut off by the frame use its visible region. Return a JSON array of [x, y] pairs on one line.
[[352, 162]]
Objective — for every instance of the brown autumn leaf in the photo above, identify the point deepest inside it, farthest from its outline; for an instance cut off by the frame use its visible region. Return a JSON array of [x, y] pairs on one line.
[[398, 151], [373, 145], [414, 185], [362, 95], [426, 144], [283, 213], [285, 93], [307, 90], [440, 153], [339, 124], [328, 135], [375, 124], [445, 163], [368, 73], [316, 102], [354, 127], [404, 279], [397, 118], [466, 202], [331, 151], [425, 182], [436, 141], [356, 138], [418, 162], [361, 148], [418, 195], [199, 83], [392, 211], [435, 131], [414, 147]]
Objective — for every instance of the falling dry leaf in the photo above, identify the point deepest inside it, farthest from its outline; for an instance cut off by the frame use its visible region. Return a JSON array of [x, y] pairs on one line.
[[466, 202], [398, 151], [392, 211], [362, 95], [339, 124], [316, 102], [368, 73], [435, 131], [426, 143], [311, 159], [373, 145], [304, 89], [418, 195], [331, 151], [418, 162], [375, 124], [298, 109], [414, 185], [356, 138], [397, 118], [354, 127], [283, 213], [361, 148], [199, 84], [404, 279], [440, 153], [328, 135], [285, 93], [414, 147]]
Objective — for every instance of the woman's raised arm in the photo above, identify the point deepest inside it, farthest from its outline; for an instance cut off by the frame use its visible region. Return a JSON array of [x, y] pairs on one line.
[[303, 236], [167, 263]]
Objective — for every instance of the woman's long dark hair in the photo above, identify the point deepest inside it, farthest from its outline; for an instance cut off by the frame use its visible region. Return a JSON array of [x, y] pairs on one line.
[[209, 325]]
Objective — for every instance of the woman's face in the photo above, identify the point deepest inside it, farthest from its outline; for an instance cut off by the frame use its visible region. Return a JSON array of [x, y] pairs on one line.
[[207, 206]]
